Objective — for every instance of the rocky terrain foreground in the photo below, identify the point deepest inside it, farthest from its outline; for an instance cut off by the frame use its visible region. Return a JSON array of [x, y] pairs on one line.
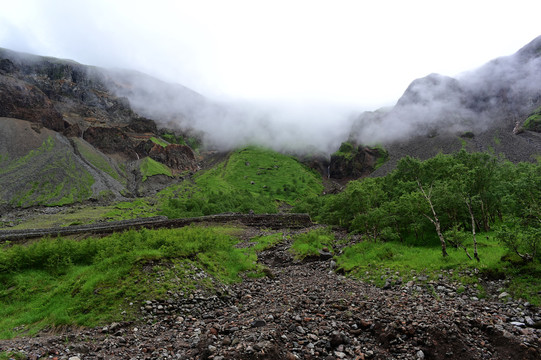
[[305, 310]]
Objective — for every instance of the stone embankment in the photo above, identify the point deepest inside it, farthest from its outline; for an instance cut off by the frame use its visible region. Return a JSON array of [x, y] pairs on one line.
[[271, 221]]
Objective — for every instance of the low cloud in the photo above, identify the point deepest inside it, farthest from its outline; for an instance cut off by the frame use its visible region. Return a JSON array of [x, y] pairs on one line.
[[501, 92], [297, 127]]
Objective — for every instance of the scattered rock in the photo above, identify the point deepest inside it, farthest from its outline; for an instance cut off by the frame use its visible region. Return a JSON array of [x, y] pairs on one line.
[[307, 312]]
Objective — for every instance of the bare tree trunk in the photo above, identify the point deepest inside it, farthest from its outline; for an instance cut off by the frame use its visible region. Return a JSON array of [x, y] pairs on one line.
[[475, 254], [434, 220], [485, 217]]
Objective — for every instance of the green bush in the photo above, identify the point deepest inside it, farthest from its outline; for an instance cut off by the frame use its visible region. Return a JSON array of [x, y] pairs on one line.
[[311, 243]]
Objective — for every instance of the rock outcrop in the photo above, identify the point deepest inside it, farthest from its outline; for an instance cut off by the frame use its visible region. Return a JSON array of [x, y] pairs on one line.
[[354, 161], [21, 100], [179, 157]]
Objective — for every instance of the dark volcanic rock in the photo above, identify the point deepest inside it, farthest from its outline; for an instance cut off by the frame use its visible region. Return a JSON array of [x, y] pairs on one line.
[[23, 101], [77, 92], [142, 125], [180, 157], [72, 130], [356, 162], [110, 141]]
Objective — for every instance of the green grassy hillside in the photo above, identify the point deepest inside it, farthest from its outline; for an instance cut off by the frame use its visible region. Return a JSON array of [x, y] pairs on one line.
[[250, 179], [49, 175], [150, 167]]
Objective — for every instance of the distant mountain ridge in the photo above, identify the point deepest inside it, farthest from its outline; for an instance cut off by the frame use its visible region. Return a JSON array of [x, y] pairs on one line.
[[482, 110]]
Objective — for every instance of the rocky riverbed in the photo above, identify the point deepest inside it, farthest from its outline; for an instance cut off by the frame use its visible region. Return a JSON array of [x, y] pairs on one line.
[[305, 310]]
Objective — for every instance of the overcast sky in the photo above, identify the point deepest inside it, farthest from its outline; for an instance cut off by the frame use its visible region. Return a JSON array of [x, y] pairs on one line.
[[355, 53]]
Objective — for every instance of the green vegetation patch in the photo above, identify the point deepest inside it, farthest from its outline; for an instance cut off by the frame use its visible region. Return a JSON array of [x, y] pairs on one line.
[[265, 242], [3, 158], [160, 142], [379, 261], [47, 146], [311, 243], [193, 142], [57, 282], [263, 171], [85, 214], [11, 355], [383, 157], [251, 179], [126, 210], [174, 139], [97, 159], [150, 167], [346, 151], [533, 122]]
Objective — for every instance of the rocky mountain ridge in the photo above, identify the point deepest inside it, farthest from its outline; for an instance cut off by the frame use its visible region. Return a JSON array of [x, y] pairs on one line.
[[482, 110], [97, 132]]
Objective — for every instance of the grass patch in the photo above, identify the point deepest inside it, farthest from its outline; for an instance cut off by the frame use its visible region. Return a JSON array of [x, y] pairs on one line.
[[533, 122], [11, 355], [150, 167], [56, 282], [265, 172], [61, 182], [160, 142], [375, 258], [311, 243], [126, 210], [346, 151], [382, 159], [54, 177], [267, 241], [193, 142], [82, 214], [377, 261], [47, 146], [174, 139]]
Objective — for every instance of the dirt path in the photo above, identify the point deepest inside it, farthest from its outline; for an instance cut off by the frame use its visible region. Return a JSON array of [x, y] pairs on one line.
[[304, 310]]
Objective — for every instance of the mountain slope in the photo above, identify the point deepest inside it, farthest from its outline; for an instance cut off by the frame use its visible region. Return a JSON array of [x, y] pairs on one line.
[[84, 141], [482, 110]]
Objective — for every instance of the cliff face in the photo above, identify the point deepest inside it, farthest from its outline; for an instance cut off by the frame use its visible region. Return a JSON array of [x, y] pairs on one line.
[[21, 100], [75, 91], [74, 101]]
